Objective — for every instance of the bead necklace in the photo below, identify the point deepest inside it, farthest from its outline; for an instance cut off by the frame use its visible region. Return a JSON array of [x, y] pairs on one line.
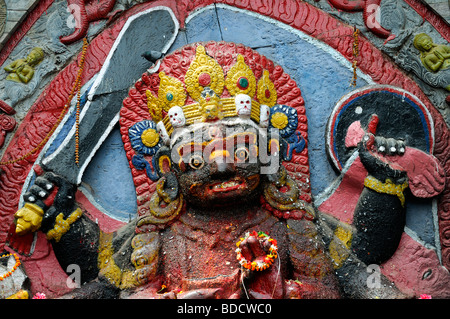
[[355, 54]]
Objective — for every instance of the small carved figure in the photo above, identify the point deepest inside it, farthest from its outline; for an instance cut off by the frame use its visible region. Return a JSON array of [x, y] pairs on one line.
[[435, 57], [243, 105], [176, 116], [22, 70]]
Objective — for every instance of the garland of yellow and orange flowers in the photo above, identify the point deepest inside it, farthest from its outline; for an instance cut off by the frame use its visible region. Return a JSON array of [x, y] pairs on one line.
[[9, 273], [268, 259]]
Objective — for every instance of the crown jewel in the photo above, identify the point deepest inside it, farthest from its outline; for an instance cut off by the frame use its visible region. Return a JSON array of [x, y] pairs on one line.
[[205, 82]]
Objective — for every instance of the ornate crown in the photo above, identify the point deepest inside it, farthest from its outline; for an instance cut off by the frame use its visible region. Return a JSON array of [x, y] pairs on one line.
[[205, 82]]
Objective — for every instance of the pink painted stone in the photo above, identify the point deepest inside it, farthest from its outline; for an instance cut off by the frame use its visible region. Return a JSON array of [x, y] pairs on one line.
[[43, 267], [426, 176], [341, 204], [354, 135], [416, 270]]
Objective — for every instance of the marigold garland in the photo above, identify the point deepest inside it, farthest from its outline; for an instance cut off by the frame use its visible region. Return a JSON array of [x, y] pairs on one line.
[[268, 259], [9, 273]]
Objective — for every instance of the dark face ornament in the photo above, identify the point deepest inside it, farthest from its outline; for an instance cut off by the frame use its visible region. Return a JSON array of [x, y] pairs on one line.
[[221, 168]]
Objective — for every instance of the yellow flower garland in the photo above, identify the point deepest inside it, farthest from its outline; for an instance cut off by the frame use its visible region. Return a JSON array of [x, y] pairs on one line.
[[9, 273]]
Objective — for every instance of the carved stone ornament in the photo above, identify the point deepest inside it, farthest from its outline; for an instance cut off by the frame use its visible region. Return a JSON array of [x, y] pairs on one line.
[[217, 148], [2, 16]]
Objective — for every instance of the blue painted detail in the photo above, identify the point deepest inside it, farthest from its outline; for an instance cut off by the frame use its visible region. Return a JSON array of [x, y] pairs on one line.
[[296, 143], [108, 179], [292, 118], [68, 124], [322, 79], [135, 134], [140, 163]]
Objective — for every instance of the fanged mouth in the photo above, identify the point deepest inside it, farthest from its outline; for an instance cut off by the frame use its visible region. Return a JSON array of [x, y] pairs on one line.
[[227, 186], [234, 184]]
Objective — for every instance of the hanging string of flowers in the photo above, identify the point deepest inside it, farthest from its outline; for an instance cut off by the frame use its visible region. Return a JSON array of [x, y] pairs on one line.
[[355, 54], [263, 263]]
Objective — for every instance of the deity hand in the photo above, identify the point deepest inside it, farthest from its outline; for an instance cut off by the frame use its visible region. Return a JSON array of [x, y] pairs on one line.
[[257, 253], [439, 55], [49, 195], [389, 146], [253, 250]]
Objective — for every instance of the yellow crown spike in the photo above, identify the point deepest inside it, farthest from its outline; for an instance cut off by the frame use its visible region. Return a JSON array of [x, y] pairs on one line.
[[154, 107], [171, 92], [240, 79], [205, 82], [203, 72], [267, 94]]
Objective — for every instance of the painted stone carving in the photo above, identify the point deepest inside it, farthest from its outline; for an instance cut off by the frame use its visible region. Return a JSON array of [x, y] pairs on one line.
[[278, 120], [3, 10], [22, 70], [370, 10], [435, 57], [86, 11], [243, 104], [394, 154], [176, 116], [216, 189], [12, 280], [222, 164], [7, 122]]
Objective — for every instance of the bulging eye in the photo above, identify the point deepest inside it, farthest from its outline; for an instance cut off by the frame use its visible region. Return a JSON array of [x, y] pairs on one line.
[[241, 154], [196, 161]]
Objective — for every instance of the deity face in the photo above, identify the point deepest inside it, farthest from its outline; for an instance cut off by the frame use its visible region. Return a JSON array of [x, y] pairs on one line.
[[218, 165], [427, 44], [243, 104], [35, 56], [176, 116], [423, 42]]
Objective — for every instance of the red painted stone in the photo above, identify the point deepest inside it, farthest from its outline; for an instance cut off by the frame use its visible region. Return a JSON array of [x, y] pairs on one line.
[[299, 15], [204, 79]]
